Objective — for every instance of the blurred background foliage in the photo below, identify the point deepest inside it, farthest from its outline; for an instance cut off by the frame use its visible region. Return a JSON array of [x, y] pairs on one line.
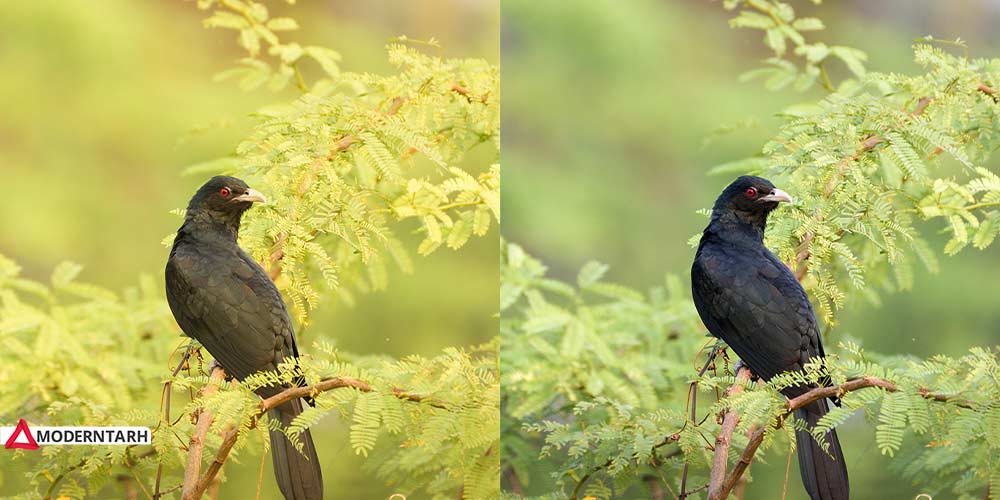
[[613, 117], [103, 108]]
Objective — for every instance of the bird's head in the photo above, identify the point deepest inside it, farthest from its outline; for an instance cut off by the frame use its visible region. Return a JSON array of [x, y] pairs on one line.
[[223, 199], [749, 199]]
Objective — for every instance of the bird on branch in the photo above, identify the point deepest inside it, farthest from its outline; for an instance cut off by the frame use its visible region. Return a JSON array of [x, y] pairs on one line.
[[220, 296], [747, 297]]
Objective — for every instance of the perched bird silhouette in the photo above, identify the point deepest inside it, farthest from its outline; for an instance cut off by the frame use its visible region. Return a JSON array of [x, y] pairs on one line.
[[226, 301], [751, 300]]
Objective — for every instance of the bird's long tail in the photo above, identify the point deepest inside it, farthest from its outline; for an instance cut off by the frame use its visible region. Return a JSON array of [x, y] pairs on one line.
[[824, 472], [298, 473]]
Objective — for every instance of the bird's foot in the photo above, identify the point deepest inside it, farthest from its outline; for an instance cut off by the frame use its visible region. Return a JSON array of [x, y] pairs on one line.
[[212, 365], [741, 365]]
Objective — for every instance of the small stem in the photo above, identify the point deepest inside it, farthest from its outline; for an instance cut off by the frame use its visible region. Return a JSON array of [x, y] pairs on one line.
[[974, 206], [693, 398], [825, 79], [165, 415], [299, 81]]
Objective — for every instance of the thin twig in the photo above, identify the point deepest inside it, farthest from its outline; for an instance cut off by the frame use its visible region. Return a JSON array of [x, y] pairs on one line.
[[788, 468], [605, 465], [260, 475], [165, 415], [693, 400]]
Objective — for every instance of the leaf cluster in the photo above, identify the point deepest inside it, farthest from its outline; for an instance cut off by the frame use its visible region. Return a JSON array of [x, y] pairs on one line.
[[586, 419], [351, 166], [358, 160]]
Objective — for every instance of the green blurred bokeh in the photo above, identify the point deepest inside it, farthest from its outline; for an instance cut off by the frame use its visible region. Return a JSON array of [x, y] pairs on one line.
[[609, 128], [105, 103]]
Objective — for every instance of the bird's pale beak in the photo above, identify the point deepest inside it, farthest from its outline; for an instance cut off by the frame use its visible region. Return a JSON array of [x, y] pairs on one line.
[[777, 195], [252, 195]]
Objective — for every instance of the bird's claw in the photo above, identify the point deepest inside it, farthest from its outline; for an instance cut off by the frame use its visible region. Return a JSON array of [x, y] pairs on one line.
[[212, 365], [741, 365]]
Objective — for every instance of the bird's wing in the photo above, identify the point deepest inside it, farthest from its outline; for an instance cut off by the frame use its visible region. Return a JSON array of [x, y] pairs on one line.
[[757, 307], [232, 308]]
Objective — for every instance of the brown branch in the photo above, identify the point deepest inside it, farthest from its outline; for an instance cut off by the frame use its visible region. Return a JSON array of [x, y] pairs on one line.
[[191, 489], [721, 457], [982, 87], [861, 383], [195, 486], [465, 92], [804, 400], [336, 383], [921, 105], [396, 104], [202, 483], [739, 491]]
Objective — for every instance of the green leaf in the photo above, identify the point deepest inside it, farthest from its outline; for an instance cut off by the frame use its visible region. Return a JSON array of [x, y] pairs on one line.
[[282, 24], [65, 273], [250, 40], [225, 19], [854, 59], [328, 59], [775, 39], [591, 273], [750, 19], [808, 24]]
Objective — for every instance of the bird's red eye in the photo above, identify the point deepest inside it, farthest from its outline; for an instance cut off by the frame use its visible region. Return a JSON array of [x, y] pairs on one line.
[[750, 192], [224, 192]]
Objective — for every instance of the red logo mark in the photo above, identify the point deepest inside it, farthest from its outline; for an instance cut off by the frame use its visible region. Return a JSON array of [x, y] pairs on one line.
[[22, 428]]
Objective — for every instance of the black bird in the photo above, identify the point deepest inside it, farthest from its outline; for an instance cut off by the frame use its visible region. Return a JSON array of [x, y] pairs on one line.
[[226, 301], [751, 300]]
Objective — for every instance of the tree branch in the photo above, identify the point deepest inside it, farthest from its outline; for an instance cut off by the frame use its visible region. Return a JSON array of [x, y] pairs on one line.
[[757, 437], [723, 440], [191, 490], [195, 485], [336, 383]]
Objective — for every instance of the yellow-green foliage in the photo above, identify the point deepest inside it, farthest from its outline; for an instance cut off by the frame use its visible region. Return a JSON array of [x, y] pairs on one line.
[[876, 155], [77, 354], [352, 161], [595, 376], [349, 165], [600, 412]]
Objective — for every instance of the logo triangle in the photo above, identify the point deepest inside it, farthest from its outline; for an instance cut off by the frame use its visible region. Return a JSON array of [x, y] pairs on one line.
[[22, 428]]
